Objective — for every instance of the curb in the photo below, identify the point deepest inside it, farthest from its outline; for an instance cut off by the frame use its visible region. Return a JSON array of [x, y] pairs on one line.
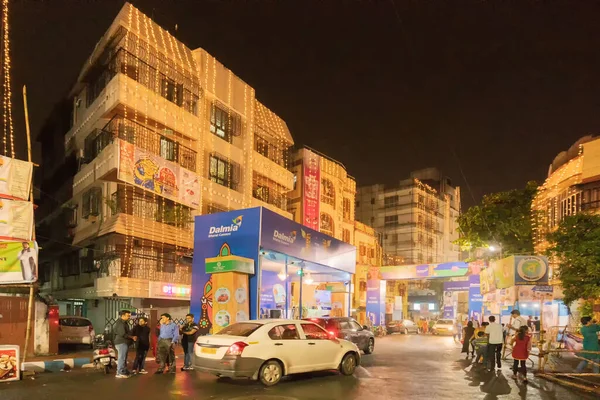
[[63, 364]]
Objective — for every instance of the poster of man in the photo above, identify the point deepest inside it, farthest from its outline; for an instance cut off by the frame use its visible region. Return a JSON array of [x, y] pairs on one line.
[[18, 262]]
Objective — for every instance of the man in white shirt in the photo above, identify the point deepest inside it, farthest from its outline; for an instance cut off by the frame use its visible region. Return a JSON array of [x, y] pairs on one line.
[[494, 332], [516, 322]]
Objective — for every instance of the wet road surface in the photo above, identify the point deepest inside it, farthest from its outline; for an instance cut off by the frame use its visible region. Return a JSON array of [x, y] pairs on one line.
[[402, 367]]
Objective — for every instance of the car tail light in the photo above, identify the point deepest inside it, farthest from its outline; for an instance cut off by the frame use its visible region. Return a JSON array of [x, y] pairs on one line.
[[236, 349], [103, 351]]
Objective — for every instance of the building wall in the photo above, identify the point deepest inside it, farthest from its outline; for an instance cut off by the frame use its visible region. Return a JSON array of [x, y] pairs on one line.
[[142, 86], [572, 186], [418, 222]]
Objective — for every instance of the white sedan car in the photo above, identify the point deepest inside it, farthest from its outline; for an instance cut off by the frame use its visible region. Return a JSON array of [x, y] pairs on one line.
[[270, 349]]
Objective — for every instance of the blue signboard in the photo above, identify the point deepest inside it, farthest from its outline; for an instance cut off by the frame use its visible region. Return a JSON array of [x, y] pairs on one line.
[[240, 231], [460, 286], [475, 298], [376, 301], [288, 237]]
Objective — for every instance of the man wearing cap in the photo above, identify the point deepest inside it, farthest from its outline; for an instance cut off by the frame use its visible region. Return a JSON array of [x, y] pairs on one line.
[[168, 337]]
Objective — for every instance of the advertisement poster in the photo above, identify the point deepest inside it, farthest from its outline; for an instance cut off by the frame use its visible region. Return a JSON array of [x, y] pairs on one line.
[[18, 262], [311, 189], [375, 300], [272, 293], [289, 237], [475, 298], [460, 286], [16, 220], [15, 178], [487, 281], [531, 270], [535, 293], [443, 270], [448, 312], [238, 232], [504, 272], [9, 363], [153, 173]]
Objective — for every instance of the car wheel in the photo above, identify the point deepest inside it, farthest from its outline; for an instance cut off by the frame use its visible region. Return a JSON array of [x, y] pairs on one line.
[[370, 346], [270, 373], [348, 364]]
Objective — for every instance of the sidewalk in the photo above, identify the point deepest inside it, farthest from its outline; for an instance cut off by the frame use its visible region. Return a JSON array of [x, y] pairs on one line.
[[80, 359]]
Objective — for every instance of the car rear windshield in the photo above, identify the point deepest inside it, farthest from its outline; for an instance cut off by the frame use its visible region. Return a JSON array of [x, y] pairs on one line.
[[445, 322], [244, 329], [75, 322]]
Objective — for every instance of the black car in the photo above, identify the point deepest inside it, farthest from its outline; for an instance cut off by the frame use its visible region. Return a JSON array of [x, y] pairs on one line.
[[348, 329]]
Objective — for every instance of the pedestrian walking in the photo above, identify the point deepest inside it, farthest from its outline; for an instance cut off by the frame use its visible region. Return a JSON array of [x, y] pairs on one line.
[[468, 333], [589, 330], [123, 339], [495, 340], [168, 337], [516, 322], [521, 344], [189, 331], [480, 343], [142, 332]]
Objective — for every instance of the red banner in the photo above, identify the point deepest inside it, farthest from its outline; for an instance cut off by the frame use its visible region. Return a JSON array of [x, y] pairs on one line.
[[311, 189]]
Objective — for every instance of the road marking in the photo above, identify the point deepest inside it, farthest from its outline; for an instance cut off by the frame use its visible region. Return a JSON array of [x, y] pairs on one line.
[[366, 372]]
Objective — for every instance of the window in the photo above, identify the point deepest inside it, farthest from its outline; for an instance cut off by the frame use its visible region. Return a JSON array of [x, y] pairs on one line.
[[327, 192], [91, 202], [172, 91], [357, 204], [261, 193], [346, 236], [431, 306], [314, 332], [347, 209], [87, 261], [417, 306], [362, 250], [391, 220], [345, 325], [167, 149], [243, 329], [284, 332], [355, 325], [69, 264], [167, 262], [371, 252], [225, 124], [390, 201], [295, 181], [327, 225], [222, 172]]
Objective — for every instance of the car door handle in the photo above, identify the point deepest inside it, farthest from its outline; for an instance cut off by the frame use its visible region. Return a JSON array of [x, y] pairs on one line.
[[278, 344], [311, 343]]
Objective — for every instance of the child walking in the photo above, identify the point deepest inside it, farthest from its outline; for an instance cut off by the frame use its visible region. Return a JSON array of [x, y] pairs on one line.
[[521, 348]]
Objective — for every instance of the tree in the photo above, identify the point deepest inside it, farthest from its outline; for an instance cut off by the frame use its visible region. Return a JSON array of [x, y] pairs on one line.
[[503, 219], [575, 245]]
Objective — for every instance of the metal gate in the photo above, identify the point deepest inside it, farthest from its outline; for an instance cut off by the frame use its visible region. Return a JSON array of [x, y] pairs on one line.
[[114, 305]]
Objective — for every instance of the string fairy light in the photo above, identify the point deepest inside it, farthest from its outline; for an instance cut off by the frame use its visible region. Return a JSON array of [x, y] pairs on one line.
[[7, 99]]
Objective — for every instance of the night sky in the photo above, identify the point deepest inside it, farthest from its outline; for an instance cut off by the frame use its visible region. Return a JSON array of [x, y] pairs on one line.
[[495, 87]]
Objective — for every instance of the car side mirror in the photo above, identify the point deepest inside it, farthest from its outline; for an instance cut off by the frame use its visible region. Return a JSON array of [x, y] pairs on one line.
[[365, 327]]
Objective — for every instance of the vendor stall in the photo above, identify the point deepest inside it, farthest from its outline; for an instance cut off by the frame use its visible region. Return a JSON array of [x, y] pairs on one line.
[[254, 263]]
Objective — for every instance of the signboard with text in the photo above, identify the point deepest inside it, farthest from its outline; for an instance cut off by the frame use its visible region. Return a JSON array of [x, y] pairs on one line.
[[15, 178], [311, 190], [18, 262]]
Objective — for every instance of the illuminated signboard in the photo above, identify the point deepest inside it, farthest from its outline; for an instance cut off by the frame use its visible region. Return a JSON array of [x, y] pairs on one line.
[[168, 290]]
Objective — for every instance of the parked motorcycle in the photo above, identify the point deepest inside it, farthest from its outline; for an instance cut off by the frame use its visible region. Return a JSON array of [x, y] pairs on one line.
[[104, 353]]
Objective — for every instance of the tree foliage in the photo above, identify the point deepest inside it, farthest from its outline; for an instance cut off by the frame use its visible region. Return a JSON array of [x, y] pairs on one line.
[[575, 245], [503, 219]]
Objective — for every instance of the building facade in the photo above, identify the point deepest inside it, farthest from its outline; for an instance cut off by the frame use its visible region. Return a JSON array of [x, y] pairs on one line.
[[572, 186], [160, 133], [417, 218], [323, 198]]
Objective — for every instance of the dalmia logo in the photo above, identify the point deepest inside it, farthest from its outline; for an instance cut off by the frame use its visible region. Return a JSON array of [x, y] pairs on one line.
[[225, 230], [282, 237]]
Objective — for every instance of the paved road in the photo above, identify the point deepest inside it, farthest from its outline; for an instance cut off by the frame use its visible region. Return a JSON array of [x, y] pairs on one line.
[[402, 367]]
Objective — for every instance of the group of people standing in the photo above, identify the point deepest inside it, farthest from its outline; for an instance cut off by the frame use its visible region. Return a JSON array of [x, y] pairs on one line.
[[488, 340], [168, 334]]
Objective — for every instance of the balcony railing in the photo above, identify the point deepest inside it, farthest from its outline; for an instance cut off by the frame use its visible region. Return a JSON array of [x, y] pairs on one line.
[[140, 136], [590, 205], [128, 201], [271, 151], [269, 196]]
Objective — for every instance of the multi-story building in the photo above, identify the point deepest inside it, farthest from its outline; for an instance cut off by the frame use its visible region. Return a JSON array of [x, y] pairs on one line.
[[323, 198], [572, 185], [417, 217], [161, 133]]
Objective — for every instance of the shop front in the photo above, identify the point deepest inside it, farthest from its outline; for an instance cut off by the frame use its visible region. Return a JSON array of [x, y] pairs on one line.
[[254, 263], [521, 282]]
